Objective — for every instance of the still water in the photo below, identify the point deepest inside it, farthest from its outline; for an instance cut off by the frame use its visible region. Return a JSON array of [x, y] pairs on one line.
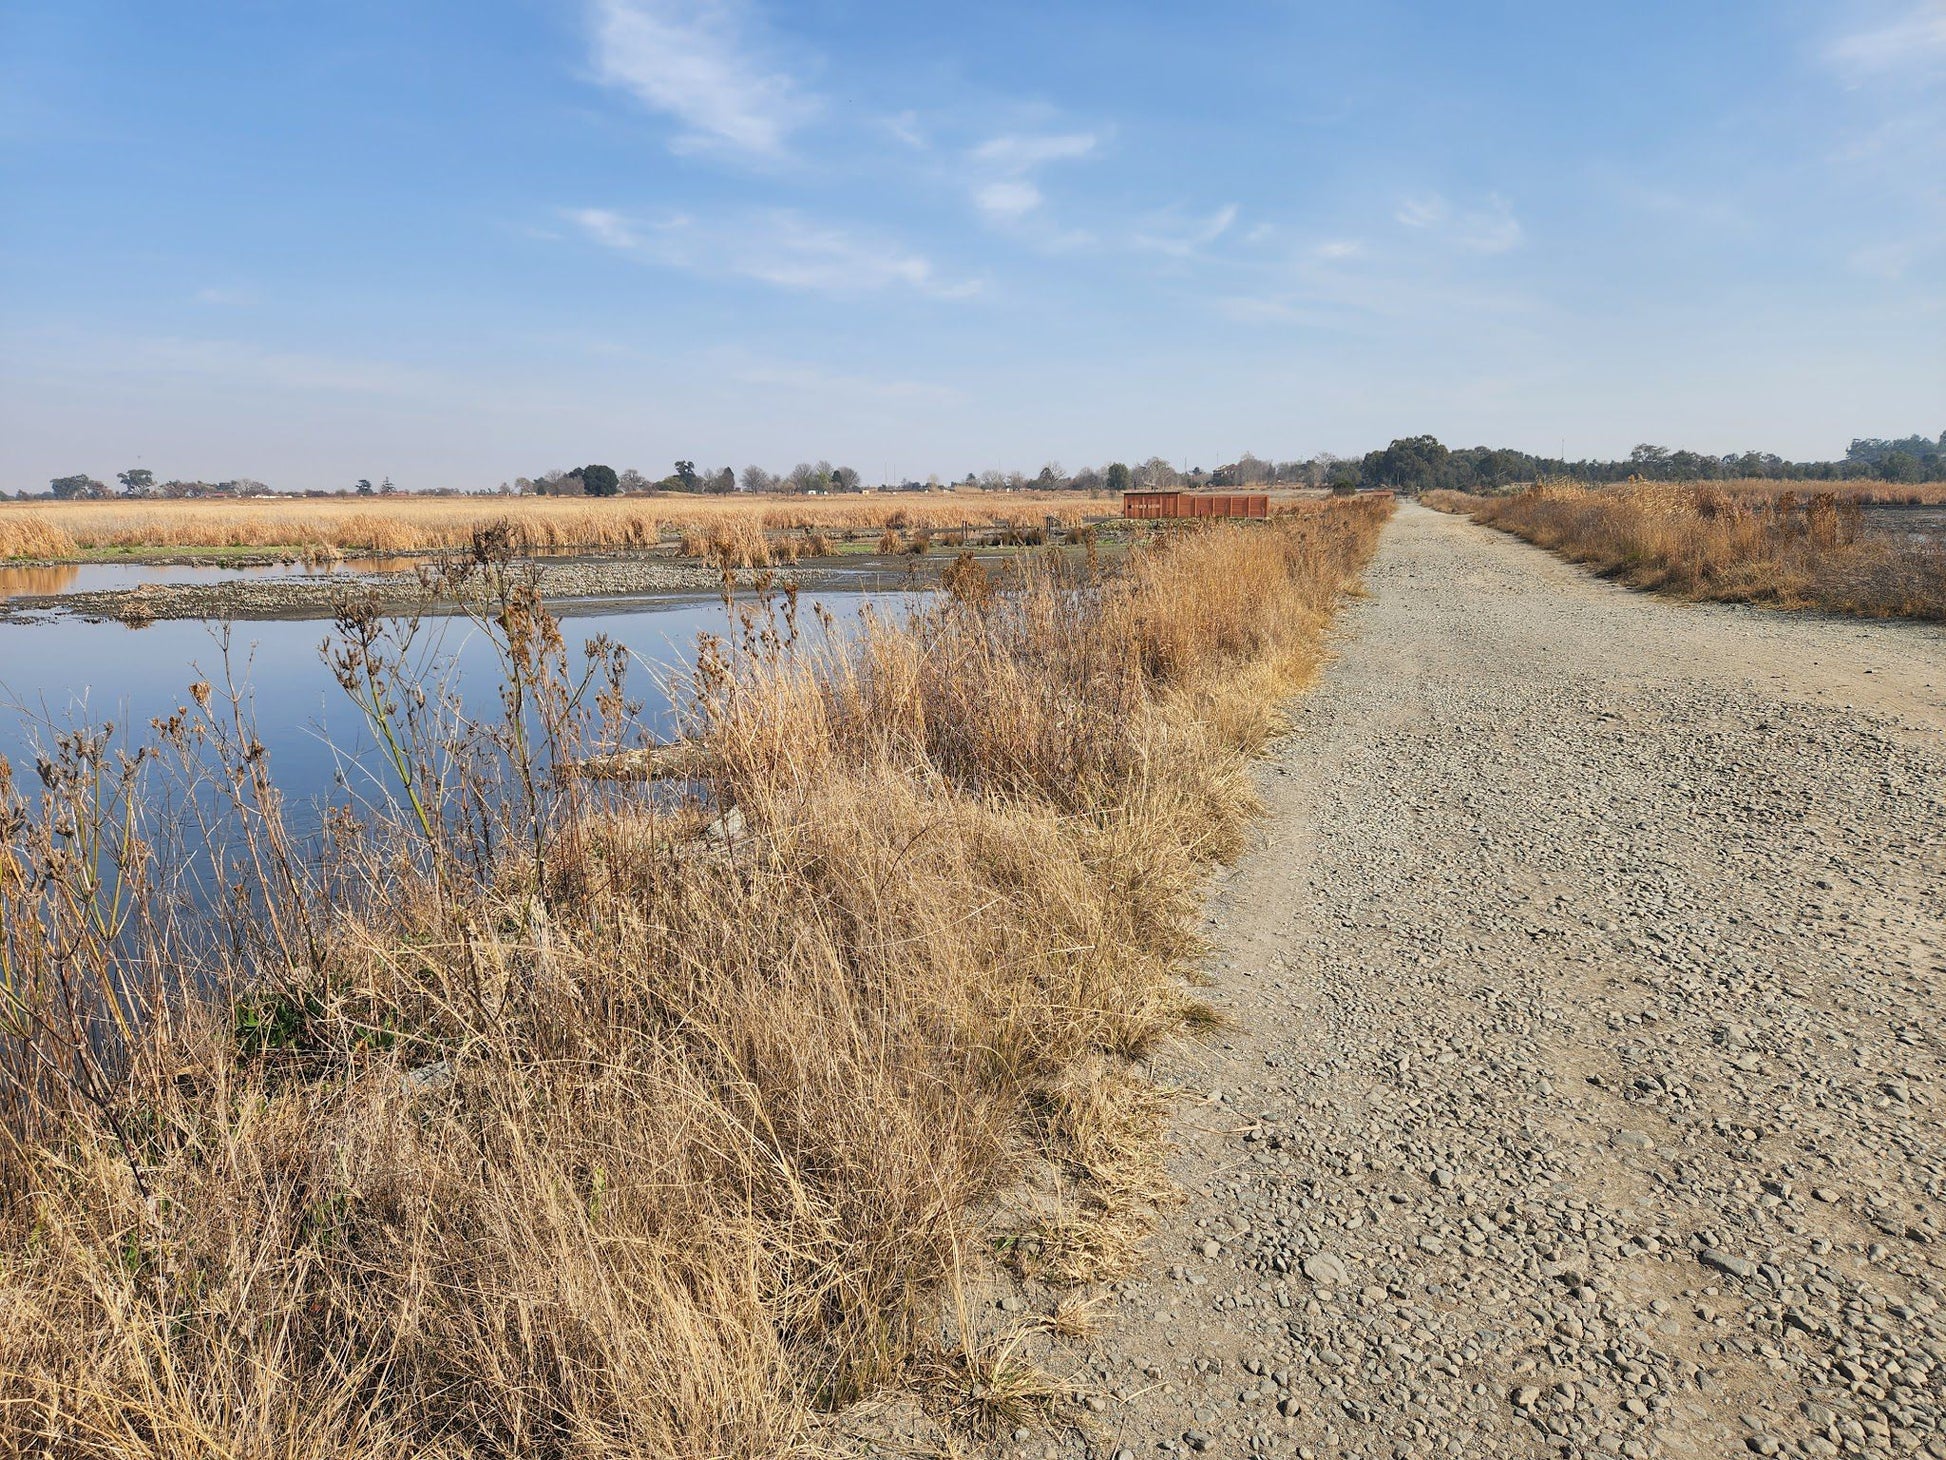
[[60, 672]]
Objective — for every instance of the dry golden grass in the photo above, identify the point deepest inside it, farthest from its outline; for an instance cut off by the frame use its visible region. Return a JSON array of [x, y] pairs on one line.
[[1864, 492], [33, 536], [700, 1128], [412, 524], [1740, 546]]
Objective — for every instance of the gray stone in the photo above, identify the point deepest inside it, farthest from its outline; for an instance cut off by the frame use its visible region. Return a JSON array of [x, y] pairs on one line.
[[1323, 1268], [1739, 1267]]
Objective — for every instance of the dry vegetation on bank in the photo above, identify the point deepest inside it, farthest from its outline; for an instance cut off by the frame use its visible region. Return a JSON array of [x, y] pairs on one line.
[[1737, 546], [556, 1119], [411, 524], [1866, 493]]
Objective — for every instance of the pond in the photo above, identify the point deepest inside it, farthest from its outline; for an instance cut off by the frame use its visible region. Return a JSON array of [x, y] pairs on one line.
[[62, 672]]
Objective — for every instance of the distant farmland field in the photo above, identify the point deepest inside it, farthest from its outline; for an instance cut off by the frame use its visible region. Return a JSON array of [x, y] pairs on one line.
[[327, 526]]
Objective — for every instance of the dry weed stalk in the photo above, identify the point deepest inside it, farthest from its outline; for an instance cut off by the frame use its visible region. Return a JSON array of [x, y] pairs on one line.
[[536, 1115]]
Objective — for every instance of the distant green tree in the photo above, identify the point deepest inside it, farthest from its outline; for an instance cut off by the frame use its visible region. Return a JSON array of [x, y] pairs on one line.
[[1119, 478], [77, 486], [599, 481], [1899, 466], [385, 488], [685, 474], [137, 481], [364, 487], [1409, 464], [1650, 461]]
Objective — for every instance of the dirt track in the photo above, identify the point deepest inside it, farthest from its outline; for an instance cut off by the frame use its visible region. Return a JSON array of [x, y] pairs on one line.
[[1583, 1090]]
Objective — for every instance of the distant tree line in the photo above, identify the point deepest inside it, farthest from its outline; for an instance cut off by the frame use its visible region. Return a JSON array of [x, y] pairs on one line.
[[140, 482], [1409, 464], [1421, 463]]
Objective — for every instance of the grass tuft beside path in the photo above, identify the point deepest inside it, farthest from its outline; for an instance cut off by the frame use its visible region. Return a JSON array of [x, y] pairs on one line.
[[1742, 547]]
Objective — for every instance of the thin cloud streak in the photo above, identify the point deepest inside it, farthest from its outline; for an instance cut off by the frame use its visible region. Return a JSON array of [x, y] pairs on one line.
[[700, 62], [1186, 244], [1015, 154], [1012, 198], [776, 247], [1003, 187], [1489, 230], [1915, 42]]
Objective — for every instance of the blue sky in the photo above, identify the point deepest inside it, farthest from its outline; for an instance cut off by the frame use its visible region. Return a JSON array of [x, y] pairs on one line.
[[457, 242]]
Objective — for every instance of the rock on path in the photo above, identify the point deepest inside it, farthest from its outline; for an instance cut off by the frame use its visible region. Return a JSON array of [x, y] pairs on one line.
[[1583, 1094]]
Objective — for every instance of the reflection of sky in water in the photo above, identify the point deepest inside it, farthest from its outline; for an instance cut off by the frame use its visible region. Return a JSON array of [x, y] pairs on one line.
[[68, 672]]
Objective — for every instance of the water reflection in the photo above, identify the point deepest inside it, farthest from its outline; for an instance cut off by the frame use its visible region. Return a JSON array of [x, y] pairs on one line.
[[62, 672], [25, 582]]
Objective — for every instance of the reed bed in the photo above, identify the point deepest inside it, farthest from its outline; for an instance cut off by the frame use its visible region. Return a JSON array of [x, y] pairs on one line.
[[1866, 493], [1706, 542], [547, 524], [545, 1116], [34, 536]]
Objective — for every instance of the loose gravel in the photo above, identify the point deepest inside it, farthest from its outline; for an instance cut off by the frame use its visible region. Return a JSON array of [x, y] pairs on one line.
[[1581, 1091]]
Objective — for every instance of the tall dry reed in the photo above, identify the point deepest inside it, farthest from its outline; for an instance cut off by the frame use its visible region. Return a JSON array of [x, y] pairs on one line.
[[34, 536], [537, 1115], [1736, 546], [415, 524]]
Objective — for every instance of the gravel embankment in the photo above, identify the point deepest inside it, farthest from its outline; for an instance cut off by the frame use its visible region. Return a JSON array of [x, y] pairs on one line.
[[617, 579], [1583, 1091]]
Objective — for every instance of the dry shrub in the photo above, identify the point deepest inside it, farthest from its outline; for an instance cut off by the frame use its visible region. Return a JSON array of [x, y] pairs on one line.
[[1719, 542], [594, 1137], [890, 541], [1459, 503]]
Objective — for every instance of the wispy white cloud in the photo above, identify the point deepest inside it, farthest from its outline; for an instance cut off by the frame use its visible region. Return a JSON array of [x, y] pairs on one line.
[[1015, 153], [704, 63], [905, 126], [1338, 248], [776, 247], [1427, 212], [1490, 229], [1002, 170], [607, 227], [1180, 242], [1913, 42], [1009, 198]]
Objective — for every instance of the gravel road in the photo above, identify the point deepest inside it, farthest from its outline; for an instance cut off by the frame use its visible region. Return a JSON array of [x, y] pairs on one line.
[[1582, 1094]]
